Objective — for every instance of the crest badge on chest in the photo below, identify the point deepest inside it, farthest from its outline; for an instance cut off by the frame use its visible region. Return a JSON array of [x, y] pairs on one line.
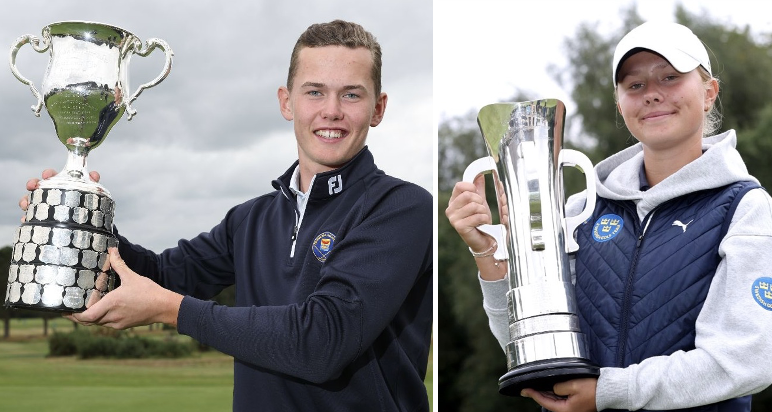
[[323, 245]]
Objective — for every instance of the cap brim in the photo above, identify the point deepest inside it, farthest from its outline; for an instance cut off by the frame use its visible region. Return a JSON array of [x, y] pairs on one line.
[[678, 59]]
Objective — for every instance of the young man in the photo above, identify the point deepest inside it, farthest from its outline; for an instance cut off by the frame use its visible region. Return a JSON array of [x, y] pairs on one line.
[[333, 270]]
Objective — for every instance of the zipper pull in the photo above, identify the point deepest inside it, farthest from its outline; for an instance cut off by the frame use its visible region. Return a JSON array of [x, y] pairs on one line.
[[294, 233], [645, 227]]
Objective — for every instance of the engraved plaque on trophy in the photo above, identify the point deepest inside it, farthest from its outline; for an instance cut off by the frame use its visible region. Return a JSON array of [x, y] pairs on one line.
[[59, 258]]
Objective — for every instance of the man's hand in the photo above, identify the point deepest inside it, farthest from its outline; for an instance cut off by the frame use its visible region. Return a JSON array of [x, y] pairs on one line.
[[137, 301], [576, 395]]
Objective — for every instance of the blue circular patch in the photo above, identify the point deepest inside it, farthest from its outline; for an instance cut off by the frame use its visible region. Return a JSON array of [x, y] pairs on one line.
[[762, 292], [607, 227], [322, 245]]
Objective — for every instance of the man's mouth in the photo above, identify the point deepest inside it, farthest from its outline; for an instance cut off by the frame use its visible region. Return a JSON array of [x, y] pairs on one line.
[[329, 134]]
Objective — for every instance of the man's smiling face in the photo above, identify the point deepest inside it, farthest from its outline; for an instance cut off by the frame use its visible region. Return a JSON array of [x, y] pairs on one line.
[[332, 105]]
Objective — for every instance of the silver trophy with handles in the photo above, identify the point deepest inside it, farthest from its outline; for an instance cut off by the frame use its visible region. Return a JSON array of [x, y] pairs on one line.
[[59, 258], [524, 142]]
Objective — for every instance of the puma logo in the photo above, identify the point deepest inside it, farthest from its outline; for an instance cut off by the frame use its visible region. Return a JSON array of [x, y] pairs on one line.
[[682, 225]]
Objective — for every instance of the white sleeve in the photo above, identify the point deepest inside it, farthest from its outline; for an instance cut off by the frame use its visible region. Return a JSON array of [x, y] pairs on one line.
[[495, 305], [733, 330]]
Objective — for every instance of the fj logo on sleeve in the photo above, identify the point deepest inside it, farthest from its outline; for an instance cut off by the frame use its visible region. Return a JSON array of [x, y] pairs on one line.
[[335, 184], [682, 225]]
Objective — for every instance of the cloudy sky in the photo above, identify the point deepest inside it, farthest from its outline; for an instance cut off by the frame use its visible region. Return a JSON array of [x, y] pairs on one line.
[[210, 136]]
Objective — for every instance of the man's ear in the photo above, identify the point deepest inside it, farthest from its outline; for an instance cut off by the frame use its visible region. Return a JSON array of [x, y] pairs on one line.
[[380, 109], [284, 103]]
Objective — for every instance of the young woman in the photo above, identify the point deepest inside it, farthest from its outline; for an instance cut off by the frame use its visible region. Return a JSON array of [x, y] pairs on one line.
[[676, 304]]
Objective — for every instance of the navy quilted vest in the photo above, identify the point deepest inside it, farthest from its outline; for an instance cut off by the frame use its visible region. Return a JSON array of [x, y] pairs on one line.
[[641, 285]]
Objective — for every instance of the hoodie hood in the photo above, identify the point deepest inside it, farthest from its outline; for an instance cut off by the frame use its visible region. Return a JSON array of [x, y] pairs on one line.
[[719, 165]]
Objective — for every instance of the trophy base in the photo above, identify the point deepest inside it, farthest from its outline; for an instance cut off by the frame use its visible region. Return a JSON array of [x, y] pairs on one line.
[[70, 304], [59, 259], [543, 375], [42, 308]]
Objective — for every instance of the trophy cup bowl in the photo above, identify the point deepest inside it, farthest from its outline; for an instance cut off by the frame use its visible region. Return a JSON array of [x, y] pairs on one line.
[[59, 259], [524, 143]]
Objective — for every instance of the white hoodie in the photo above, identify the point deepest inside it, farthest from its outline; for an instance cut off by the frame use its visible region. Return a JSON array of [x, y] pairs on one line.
[[733, 354]]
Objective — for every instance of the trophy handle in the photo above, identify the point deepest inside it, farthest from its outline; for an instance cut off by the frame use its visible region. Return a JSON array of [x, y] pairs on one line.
[[150, 45], [497, 232], [36, 45], [578, 160]]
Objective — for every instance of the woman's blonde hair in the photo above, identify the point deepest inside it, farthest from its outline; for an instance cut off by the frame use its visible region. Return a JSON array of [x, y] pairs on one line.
[[712, 120]]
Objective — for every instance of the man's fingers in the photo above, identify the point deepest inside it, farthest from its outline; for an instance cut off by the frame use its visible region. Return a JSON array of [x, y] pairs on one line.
[[118, 265], [32, 184], [23, 205], [48, 173], [94, 314]]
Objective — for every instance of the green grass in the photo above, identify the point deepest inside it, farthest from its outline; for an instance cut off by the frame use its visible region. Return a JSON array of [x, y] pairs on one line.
[[30, 381], [428, 382]]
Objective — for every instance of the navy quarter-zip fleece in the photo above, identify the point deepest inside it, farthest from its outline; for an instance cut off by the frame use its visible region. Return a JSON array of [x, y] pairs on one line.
[[343, 324]]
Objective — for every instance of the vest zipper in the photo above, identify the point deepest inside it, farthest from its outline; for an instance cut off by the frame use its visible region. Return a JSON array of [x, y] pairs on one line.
[[624, 323]]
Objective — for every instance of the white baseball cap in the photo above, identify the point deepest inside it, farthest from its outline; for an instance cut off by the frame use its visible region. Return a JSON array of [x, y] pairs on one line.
[[675, 42]]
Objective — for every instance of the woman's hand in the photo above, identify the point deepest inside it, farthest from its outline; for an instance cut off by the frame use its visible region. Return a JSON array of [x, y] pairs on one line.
[[468, 209], [576, 395]]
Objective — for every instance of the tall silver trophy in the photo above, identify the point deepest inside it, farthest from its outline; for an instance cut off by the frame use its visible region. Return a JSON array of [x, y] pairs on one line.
[[524, 143], [59, 258]]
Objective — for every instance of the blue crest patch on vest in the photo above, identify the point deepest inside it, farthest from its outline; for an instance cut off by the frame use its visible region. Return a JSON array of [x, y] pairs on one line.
[[762, 292], [607, 227], [322, 245]]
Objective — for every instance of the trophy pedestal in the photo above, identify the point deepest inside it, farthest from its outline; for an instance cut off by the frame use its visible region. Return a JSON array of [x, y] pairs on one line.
[[543, 375]]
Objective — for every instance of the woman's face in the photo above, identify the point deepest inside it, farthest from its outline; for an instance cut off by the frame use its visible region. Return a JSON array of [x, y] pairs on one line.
[[663, 108]]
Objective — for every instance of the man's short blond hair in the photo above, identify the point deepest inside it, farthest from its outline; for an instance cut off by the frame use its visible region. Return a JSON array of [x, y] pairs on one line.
[[338, 33]]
